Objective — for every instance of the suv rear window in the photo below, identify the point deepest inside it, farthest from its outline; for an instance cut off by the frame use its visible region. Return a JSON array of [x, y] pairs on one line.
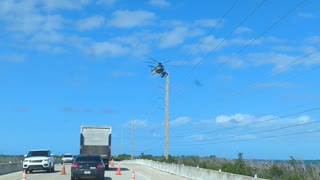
[[67, 155]]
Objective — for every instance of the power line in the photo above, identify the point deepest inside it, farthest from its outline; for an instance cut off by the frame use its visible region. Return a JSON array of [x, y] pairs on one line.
[[257, 138], [254, 123], [214, 27], [252, 41], [263, 131], [269, 76], [227, 36]]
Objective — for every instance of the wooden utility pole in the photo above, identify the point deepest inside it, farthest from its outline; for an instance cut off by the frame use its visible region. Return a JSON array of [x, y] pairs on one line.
[[122, 142], [166, 152], [132, 151]]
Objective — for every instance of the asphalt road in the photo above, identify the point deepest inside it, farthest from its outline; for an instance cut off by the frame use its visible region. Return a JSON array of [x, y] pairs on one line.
[[126, 170]]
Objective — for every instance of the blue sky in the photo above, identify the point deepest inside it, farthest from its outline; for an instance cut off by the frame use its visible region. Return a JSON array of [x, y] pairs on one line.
[[243, 76]]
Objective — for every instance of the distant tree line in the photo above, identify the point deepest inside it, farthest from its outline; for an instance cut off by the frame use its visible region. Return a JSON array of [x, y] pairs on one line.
[[11, 158]]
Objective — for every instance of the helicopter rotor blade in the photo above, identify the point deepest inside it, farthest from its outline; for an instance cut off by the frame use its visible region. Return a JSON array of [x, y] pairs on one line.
[[154, 60]]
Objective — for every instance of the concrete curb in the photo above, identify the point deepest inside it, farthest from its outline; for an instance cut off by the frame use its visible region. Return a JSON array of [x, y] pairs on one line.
[[10, 168]]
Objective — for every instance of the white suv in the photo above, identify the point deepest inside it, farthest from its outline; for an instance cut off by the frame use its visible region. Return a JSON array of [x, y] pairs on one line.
[[67, 158], [39, 160]]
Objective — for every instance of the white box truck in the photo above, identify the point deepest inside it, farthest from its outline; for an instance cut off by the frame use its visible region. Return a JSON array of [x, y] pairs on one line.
[[96, 140]]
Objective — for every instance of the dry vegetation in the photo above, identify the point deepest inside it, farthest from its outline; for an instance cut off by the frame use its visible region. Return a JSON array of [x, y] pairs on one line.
[[290, 169]]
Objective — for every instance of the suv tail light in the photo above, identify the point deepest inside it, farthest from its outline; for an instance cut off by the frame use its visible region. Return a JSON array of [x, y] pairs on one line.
[[75, 165], [99, 166]]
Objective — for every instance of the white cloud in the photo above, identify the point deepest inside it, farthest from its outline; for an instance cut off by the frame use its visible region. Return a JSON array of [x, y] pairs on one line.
[[180, 121], [199, 137], [42, 37], [279, 60], [306, 15], [204, 123], [313, 40], [159, 3], [130, 19], [106, 2], [107, 49], [262, 122], [234, 62], [241, 30], [64, 4], [241, 41], [27, 20], [274, 84], [208, 23], [304, 119], [191, 62], [139, 123], [283, 48], [209, 43], [91, 23], [236, 119], [12, 58], [173, 38]]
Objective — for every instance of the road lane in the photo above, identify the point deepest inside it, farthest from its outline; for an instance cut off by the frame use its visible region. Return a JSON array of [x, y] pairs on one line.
[[141, 173]]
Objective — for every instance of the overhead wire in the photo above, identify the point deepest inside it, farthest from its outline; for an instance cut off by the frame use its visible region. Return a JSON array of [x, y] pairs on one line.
[[222, 41], [199, 44], [229, 34], [213, 28], [238, 52], [269, 76], [271, 26], [256, 138], [252, 41], [253, 123], [258, 132]]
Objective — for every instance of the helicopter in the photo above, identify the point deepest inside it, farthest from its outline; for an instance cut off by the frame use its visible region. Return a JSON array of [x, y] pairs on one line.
[[159, 69]]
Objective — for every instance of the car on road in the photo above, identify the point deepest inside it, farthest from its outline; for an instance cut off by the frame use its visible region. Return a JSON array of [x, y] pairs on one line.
[[88, 166], [67, 158], [41, 159]]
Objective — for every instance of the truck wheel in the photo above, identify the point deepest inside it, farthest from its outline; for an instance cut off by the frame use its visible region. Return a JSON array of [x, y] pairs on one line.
[[52, 169]]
